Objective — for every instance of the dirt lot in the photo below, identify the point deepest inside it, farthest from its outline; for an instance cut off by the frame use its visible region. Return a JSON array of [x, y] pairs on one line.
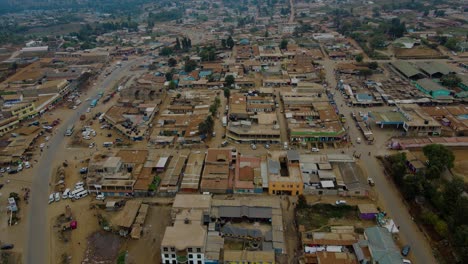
[[420, 52], [320, 216]]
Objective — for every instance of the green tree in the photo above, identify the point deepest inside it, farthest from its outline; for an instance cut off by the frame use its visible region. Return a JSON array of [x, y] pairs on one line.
[[461, 242], [229, 80], [373, 65], [177, 45], [266, 34], [284, 44], [230, 42], [397, 166], [412, 186], [450, 80], [452, 44], [223, 43], [190, 65], [359, 58], [452, 194], [227, 92], [439, 156], [365, 73], [172, 62], [172, 85], [166, 51], [168, 76], [301, 202]]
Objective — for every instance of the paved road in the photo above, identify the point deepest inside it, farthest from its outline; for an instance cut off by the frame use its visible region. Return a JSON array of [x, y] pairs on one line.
[[388, 195], [37, 249]]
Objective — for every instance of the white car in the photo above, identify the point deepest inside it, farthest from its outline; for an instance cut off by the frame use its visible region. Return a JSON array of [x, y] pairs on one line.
[[406, 261], [100, 197], [91, 145], [51, 198], [27, 165], [57, 196], [42, 145], [340, 202], [47, 138], [88, 110], [253, 146], [87, 137], [315, 150]]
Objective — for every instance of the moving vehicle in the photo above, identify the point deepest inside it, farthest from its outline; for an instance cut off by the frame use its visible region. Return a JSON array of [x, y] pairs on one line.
[[405, 250], [370, 181], [340, 202], [358, 140], [69, 130], [285, 145], [7, 246]]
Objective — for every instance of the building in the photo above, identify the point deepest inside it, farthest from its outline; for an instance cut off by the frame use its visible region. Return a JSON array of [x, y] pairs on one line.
[[381, 246], [218, 172], [432, 88], [244, 256], [175, 245], [434, 69], [419, 123], [284, 174], [407, 70]]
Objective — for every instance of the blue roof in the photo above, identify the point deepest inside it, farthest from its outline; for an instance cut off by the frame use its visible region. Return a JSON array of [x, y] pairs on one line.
[[204, 73], [364, 97], [183, 73], [244, 42], [190, 78]]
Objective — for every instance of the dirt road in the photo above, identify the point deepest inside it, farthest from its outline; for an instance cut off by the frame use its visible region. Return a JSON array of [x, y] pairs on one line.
[[37, 234], [389, 197]]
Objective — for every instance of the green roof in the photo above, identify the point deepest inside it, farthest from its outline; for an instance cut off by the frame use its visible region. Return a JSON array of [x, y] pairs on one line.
[[406, 68], [382, 246]]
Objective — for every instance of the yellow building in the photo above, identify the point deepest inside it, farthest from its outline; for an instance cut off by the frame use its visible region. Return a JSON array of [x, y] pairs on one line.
[[23, 110], [8, 124], [284, 174]]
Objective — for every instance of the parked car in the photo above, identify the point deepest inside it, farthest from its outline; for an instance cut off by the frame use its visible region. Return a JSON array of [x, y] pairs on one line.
[[51, 198], [57, 196], [267, 146], [405, 250], [42, 145], [340, 202], [406, 261], [84, 170], [370, 181], [253, 146], [100, 197], [27, 165], [315, 150]]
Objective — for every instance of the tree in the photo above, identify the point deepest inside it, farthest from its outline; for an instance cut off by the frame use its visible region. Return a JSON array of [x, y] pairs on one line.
[[365, 73], [177, 45], [230, 42], [229, 80], [172, 85], [172, 62], [283, 44], [227, 92], [397, 166], [373, 65], [266, 34], [301, 201], [168, 76], [223, 43], [190, 65], [213, 109], [439, 156], [412, 186], [426, 13], [166, 51], [206, 127], [452, 194], [359, 58], [461, 242], [377, 41], [451, 44]]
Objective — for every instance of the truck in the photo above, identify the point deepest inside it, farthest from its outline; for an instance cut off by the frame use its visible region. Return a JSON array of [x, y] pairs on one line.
[[94, 103], [224, 121]]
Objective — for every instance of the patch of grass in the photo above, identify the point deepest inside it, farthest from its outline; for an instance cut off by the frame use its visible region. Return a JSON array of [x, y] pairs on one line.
[[318, 215]]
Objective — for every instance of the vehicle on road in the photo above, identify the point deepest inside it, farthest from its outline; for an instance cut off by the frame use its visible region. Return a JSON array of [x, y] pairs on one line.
[[267, 146], [92, 144], [340, 202], [100, 197], [224, 143], [7, 246], [370, 181], [42, 145], [51, 198], [405, 250], [358, 140], [69, 130], [406, 261], [81, 194], [88, 110], [253, 146], [285, 145], [27, 165], [84, 170], [315, 150]]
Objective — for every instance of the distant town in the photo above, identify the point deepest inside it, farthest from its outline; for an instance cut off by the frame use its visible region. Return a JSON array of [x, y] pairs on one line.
[[217, 131]]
